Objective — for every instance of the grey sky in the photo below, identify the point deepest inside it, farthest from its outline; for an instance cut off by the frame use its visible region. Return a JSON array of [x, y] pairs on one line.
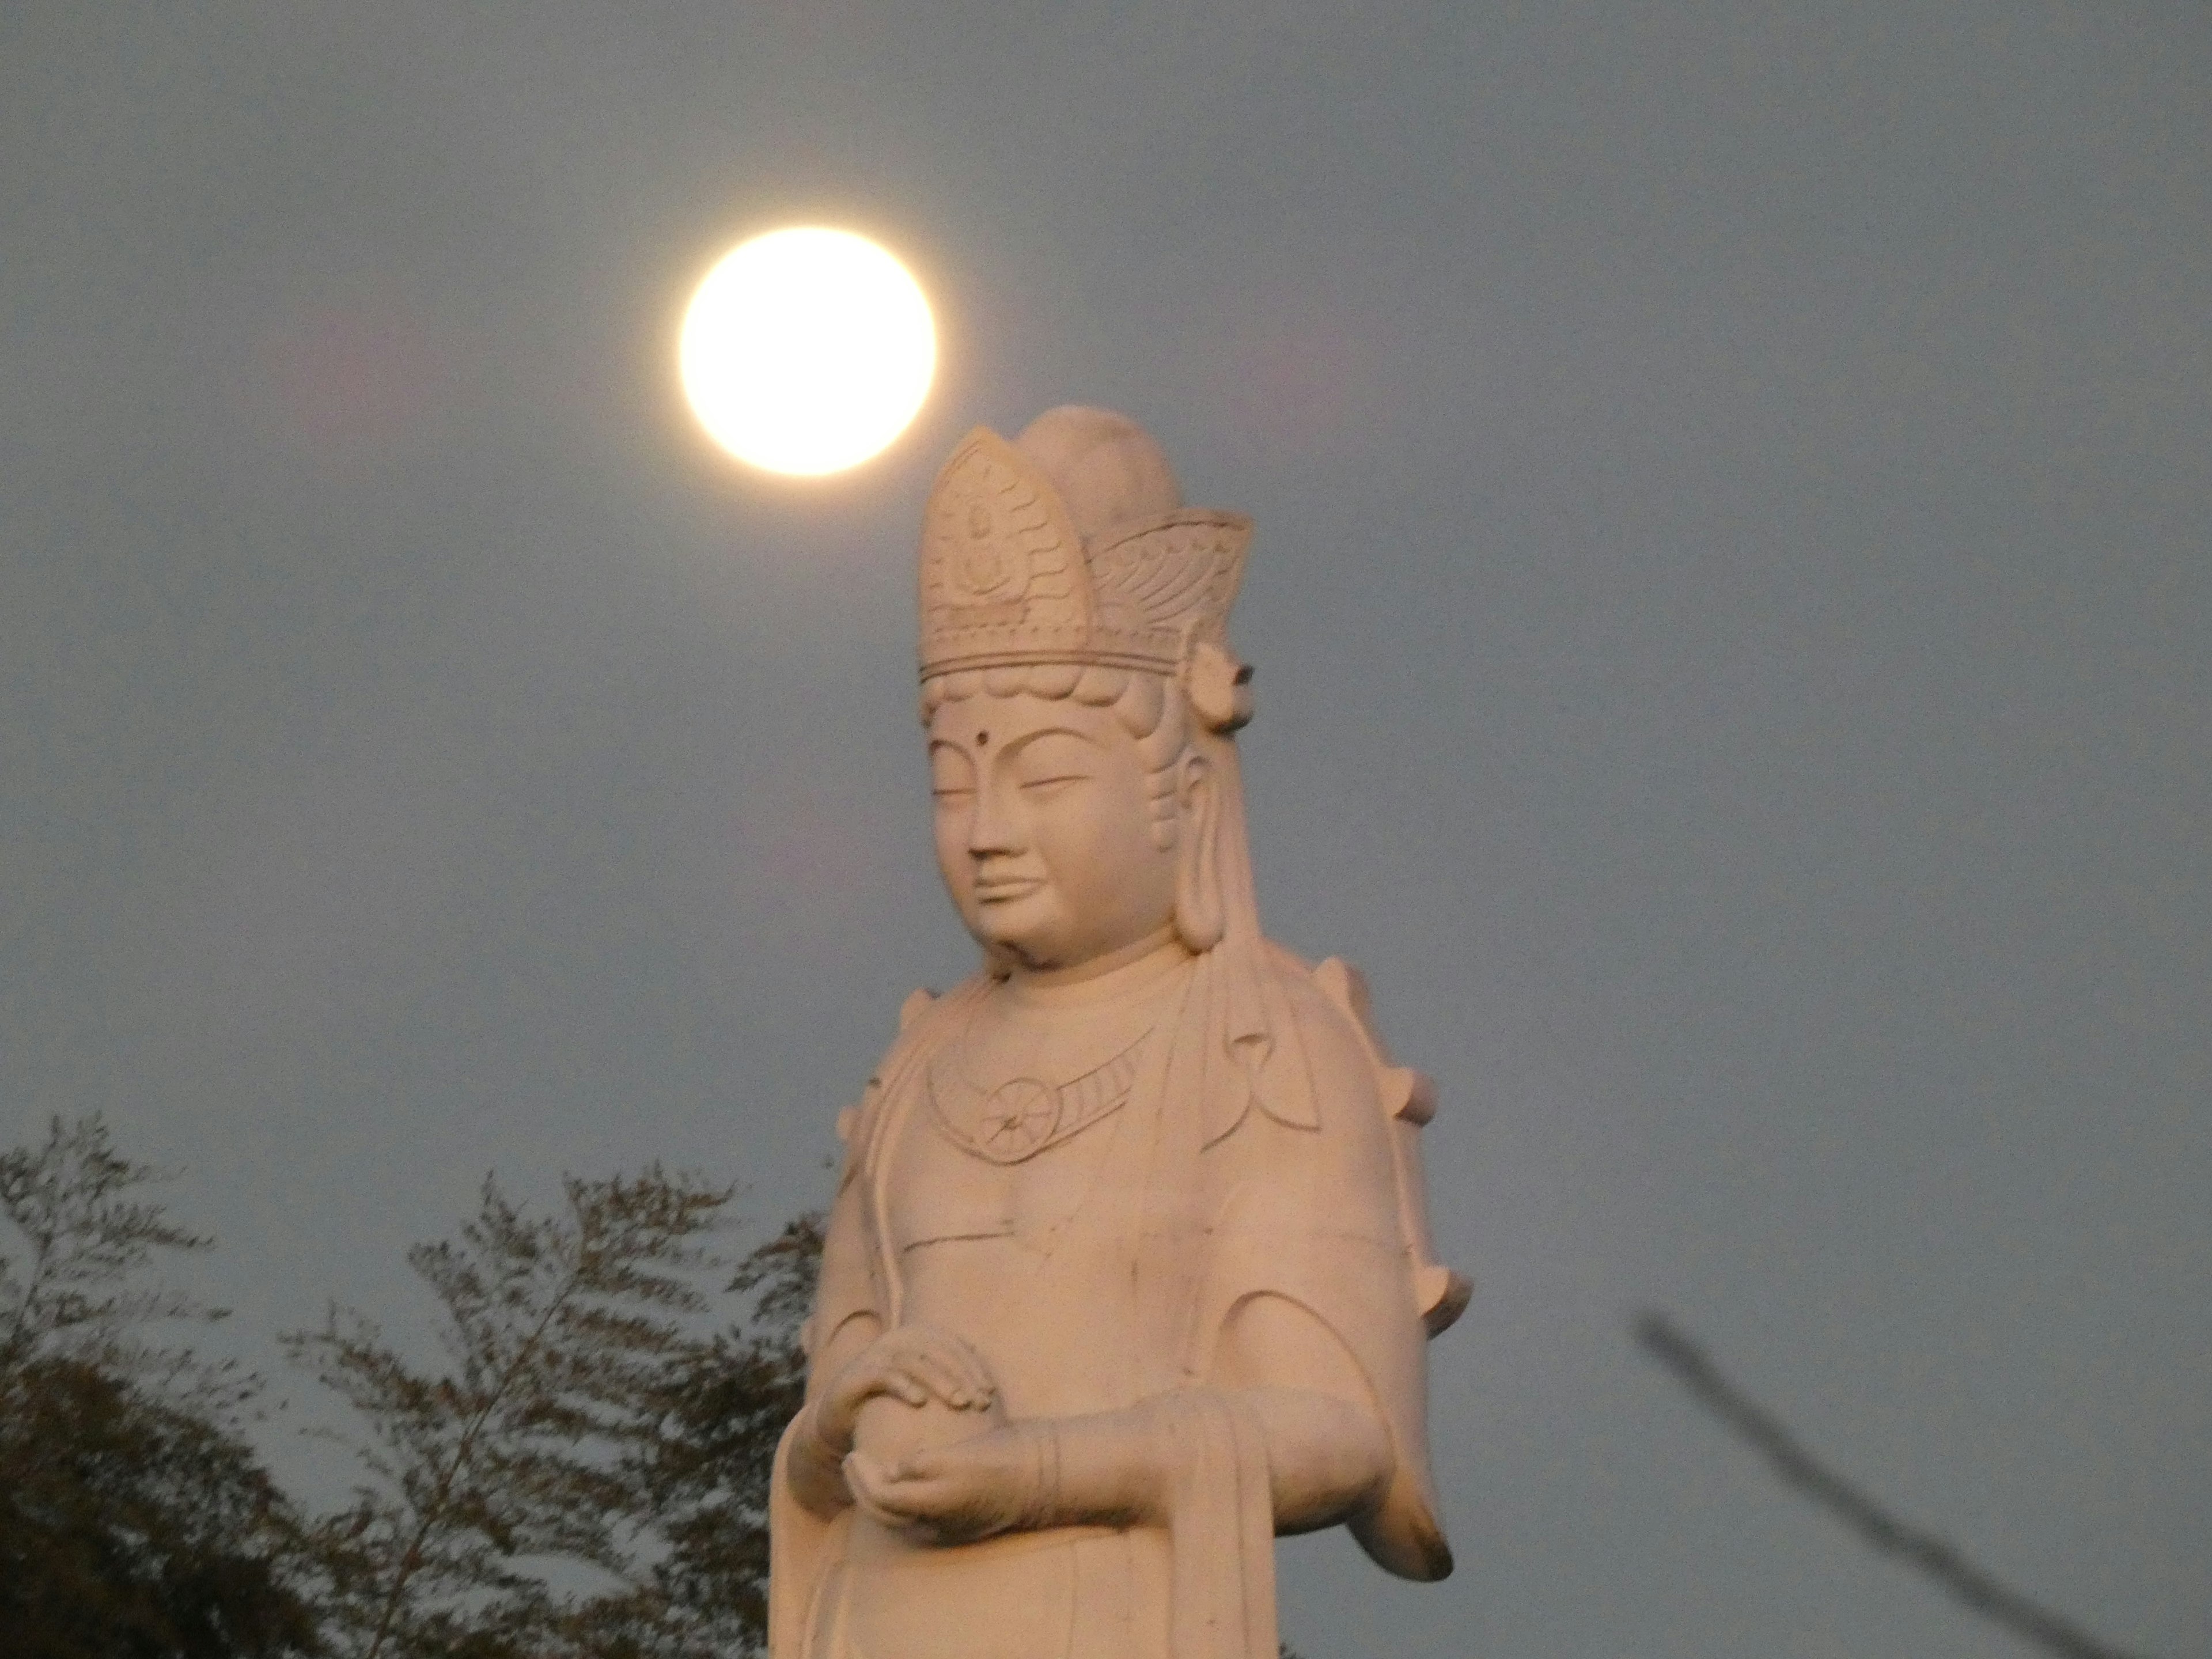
[[1730, 603]]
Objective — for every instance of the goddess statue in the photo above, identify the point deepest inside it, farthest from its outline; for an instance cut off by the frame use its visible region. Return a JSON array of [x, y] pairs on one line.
[[1129, 1268]]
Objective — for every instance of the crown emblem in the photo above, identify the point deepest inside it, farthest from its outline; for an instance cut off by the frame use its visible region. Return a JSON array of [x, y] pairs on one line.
[[1007, 580]]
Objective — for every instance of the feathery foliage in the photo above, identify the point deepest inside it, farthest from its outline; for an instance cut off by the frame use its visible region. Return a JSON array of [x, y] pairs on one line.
[[75, 1203], [730, 1400], [589, 1476]]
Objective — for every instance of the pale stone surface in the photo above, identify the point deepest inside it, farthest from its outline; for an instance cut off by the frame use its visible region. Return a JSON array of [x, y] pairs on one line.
[[1129, 1267]]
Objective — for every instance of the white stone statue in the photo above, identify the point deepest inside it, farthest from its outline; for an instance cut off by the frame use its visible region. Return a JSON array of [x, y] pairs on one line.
[[1128, 1269]]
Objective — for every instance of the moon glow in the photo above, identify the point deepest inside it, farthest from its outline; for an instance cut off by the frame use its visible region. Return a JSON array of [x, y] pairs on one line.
[[807, 351]]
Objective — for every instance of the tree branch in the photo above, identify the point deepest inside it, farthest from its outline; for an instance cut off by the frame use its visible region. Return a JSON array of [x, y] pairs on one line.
[[1691, 1367]]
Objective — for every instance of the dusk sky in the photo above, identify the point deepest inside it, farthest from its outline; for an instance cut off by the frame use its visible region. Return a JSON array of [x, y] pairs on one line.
[[1732, 602]]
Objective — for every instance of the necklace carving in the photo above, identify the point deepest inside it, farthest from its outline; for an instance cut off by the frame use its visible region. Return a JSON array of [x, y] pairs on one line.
[[1024, 1115]]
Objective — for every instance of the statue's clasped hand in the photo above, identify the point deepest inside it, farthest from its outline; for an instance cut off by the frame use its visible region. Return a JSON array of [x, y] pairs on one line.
[[1004, 1479], [924, 1448], [913, 1364]]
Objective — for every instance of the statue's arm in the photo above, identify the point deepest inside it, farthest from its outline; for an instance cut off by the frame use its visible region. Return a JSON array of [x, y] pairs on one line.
[[1328, 1453], [1277, 1364], [1286, 1347]]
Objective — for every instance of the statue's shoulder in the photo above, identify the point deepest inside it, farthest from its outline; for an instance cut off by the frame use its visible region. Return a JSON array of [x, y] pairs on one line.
[[1334, 1013], [924, 1019], [1330, 1003], [1343, 988], [1336, 1007]]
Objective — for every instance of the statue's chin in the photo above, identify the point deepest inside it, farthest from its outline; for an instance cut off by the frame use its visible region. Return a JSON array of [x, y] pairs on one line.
[[1037, 947], [1021, 925], [1081, 961]]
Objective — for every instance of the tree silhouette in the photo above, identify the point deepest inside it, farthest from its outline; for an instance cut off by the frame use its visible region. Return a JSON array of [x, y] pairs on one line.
[[136, 1523]]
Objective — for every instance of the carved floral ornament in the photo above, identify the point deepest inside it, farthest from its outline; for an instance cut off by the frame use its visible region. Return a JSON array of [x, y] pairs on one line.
[[1007, 581]]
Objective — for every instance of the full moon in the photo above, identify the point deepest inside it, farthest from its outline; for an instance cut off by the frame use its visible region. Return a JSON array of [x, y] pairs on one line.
[[807, 351]]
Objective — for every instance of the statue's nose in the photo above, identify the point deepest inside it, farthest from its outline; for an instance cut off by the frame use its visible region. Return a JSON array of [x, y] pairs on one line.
[[994, 828]]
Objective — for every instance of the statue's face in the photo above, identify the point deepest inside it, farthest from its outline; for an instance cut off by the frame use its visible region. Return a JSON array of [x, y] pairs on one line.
[[1043, 830]]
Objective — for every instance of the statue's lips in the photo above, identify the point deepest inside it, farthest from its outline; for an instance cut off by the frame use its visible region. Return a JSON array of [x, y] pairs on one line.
[[1006, 891]]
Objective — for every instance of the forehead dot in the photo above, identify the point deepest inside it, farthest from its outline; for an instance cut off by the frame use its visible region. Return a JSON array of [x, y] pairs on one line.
[[982, 738]]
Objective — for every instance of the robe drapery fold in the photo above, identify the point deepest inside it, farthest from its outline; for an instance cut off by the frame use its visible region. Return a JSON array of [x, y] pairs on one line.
[[1221, 1531], [800, 1552]]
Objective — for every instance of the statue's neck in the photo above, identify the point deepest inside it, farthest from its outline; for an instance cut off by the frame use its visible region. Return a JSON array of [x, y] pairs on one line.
[[1105, 977]]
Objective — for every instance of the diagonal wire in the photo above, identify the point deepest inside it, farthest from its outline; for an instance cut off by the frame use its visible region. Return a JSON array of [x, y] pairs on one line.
[[1691, 1366]]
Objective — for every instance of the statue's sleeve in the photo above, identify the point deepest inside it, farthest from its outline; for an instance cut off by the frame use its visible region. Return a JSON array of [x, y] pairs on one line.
[[854, 1282], [1331, 1218], [847, 1288], [806, 1552]]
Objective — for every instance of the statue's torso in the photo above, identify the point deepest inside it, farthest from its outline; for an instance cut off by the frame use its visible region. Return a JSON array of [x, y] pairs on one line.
[[1013, 1182]]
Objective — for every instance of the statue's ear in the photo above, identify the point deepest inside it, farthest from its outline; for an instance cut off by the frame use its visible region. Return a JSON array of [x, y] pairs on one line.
[[1199, 917]]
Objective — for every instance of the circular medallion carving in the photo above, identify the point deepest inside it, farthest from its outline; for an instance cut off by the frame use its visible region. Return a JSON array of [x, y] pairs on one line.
[[1016, 1119]]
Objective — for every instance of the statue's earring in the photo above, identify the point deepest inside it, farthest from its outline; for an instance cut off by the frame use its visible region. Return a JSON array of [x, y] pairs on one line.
[[1218, 686], [1198, 919]]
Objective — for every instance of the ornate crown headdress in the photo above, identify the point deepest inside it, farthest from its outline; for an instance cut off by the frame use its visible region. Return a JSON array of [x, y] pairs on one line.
[[1071, 545], [1008, 579]]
